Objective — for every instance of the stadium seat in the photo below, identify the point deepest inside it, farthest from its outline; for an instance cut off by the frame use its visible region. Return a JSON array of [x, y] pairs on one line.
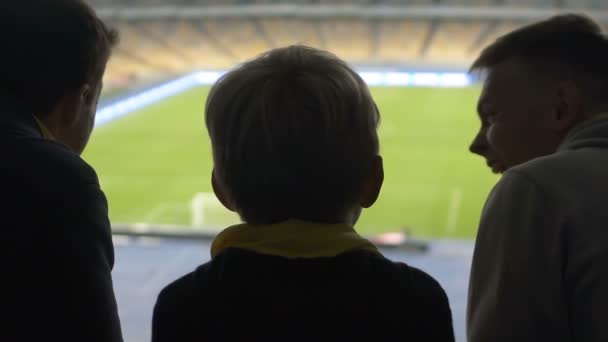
[[241, 39], [349, 39], [200, 49], [153, 48], [530, 3], [401, 41], [494, 31], [452, 42], [283, 32]]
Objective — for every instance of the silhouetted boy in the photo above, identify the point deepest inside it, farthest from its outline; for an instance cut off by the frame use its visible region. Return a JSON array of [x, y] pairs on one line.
[[296, 152]]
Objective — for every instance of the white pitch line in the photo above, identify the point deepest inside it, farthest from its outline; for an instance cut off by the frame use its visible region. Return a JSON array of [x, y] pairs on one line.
[[453, 210], [156, 212]]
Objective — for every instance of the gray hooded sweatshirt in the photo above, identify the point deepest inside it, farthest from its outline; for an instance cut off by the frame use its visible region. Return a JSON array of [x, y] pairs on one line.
[[540, 268]]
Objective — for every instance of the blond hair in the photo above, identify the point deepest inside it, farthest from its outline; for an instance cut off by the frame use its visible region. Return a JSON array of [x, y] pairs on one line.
[[293, 134]]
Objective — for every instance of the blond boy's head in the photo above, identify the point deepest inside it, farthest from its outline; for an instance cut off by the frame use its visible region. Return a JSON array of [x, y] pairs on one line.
[[294, 136]]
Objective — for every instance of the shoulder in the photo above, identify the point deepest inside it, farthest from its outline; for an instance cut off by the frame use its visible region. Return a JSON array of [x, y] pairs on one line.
[[46, 177], [181, 303], [72, 183], [65, 164], [539, 182], [67, 191], [185, 306], [548, 172], [427, 287], [428, 307], [184, 291], [44, 163], [566, 172], [399, 276]]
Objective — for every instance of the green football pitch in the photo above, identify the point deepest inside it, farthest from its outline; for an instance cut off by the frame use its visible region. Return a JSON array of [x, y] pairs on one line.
[[152, 163]]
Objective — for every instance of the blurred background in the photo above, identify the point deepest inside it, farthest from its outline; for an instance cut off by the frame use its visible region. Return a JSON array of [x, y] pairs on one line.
[[153, 157], [166, 37]]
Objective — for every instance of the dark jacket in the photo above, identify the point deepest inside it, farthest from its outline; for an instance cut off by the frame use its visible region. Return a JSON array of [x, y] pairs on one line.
[[245, 296], [57, 252]]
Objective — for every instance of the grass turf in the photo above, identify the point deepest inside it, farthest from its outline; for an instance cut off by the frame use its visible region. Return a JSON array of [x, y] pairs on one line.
[[151, 163]]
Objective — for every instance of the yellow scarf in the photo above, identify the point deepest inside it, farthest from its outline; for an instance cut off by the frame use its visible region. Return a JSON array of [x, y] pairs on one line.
[[46, 133], [293, 239]]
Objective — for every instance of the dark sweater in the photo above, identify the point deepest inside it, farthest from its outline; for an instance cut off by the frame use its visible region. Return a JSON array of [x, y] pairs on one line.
[[245, 296], [57, 252]]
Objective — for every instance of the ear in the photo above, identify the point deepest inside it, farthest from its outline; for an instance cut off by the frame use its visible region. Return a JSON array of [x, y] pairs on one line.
[[70, 106], [221, 193], [373, 183], [570, 109]]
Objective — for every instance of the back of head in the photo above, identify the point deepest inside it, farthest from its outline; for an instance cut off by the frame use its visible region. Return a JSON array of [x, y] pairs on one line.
[[49, 47], [293, 133], [565, 47]]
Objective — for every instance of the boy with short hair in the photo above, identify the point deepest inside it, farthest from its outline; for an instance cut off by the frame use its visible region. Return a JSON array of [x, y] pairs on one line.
[[296, 153]]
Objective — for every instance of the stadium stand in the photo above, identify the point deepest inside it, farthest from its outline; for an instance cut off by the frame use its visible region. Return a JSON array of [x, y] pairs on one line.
[[283, 32], [393, 48], [452, 41], [491, 32], [351, 39], [240, 39], [156, 49], [159, 47], [507, 3]]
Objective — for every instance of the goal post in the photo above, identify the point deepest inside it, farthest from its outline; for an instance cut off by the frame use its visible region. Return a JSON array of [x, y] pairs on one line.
[[208, 212]]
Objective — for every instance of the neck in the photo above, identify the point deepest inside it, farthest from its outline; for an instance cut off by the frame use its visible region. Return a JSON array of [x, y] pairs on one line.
[[349, 217]]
